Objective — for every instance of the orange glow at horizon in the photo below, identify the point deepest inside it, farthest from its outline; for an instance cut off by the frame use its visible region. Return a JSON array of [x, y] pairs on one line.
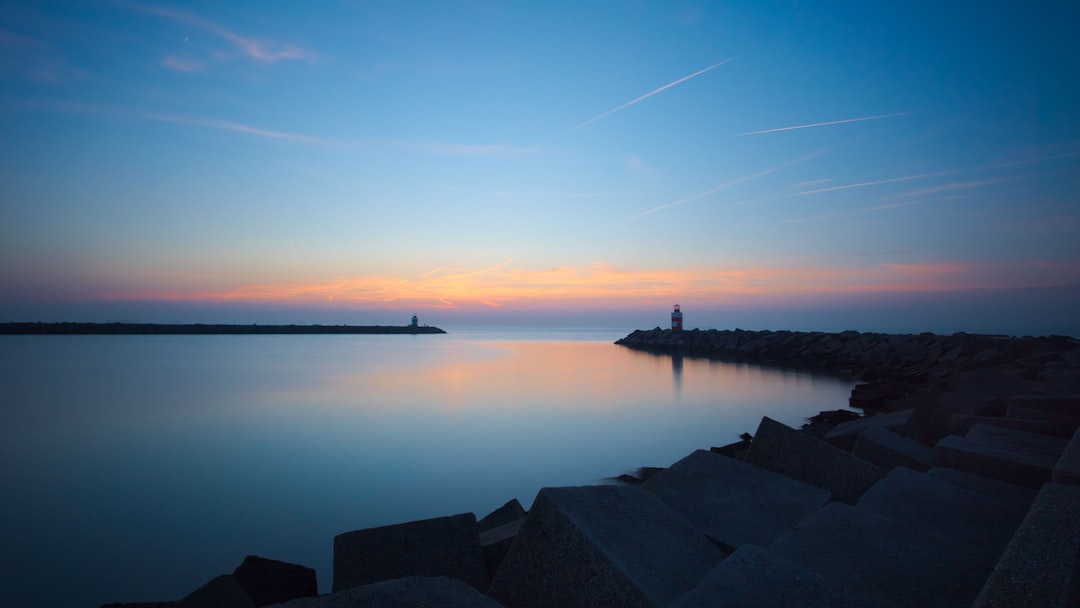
[[601, 284]]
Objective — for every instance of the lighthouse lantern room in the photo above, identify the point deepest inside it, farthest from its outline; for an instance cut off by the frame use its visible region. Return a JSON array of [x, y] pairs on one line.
[[676, 319]]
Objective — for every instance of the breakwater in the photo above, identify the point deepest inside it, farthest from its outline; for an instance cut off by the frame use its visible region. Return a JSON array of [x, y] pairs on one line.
[[960, 487], [70, 329]]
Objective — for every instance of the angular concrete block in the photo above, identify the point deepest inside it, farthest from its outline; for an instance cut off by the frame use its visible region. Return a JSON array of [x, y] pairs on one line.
[[1067, 469], [511, 511], [781, 449], [1012, 439], [734, 502], [443, 546], [1020, 467], [1041, 565], [495, 543], [269, 581], [602, 546], [987, 486], [889, 450], [408, 592], [220, 592], [939, 506], [752, 576], [844, 435], [962, 423], [891, 562], [1068, 405]]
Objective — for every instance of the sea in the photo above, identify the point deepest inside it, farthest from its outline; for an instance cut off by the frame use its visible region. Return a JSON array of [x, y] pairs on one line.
[[136, 468]]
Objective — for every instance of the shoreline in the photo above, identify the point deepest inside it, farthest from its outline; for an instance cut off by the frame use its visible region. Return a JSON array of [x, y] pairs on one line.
[[127, 329]]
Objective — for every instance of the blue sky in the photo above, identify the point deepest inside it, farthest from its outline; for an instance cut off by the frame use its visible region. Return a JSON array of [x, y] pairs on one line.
[[364, 160]]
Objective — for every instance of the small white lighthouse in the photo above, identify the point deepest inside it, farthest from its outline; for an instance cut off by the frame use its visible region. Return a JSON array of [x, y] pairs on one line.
[[676, 319]]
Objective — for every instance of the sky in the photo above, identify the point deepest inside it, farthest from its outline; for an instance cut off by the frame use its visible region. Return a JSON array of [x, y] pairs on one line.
[[790, 164]]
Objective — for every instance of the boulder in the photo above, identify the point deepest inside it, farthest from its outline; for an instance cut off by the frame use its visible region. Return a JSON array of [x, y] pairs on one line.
[[443, 546], [269, 581], [1014, 439], [781, 449], [602, 546], [407, 592], [891, 562], [752, 576], [733, 502], [889, 450]]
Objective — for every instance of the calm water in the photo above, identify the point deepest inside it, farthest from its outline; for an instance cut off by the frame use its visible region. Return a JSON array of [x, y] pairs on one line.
[[138, 467]]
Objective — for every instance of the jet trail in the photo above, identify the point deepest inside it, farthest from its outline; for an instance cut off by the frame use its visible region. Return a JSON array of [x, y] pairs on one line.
[[644, 97], [824, 124]]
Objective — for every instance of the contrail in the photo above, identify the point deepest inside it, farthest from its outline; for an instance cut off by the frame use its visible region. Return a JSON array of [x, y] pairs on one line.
[[824, 124], [881, 181], [726, 185], [644, 97]]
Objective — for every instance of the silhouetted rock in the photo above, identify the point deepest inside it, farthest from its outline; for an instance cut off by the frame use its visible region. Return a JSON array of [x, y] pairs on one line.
[[269, 581], [220, 592], [509, 512], [408, 592], [602, 546], [443, 546]]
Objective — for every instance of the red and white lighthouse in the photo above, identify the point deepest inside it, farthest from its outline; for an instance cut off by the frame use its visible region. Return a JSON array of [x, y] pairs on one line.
[[676, 319]]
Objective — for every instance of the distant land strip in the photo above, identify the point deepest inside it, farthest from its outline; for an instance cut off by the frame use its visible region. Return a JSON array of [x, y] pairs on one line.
[[201, 329]]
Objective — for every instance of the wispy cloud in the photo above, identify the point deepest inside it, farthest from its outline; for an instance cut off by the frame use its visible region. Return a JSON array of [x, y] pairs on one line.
[[442, 148], [260, 50], [181, 64], [235, 127], [825, 124], [725, 186], [644, 97]]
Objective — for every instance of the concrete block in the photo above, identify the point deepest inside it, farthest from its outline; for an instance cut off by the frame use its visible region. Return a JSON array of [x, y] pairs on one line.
[[602, 546], [752, 576], [733, 502], [220, 592], [510, 512], [781, 449], [1063, 425], [891, 562], [1020, 467], [1067, 469], [495, 543], [1041, 565], [1012, 439], [1068, 405], [408, 592], [889, 450], [444, 546], [987, 486], [268, 581], [844, 435], [938, 506], [961, 424]]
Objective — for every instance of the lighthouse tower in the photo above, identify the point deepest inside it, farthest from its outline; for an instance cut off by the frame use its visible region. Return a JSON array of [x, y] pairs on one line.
[[676, 319]]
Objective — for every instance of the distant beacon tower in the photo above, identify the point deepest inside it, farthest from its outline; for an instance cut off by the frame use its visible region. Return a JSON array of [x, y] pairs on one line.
[[415, 321], [676, 319]]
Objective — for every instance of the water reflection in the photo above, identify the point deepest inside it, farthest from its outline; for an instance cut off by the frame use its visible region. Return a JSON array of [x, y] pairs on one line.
[[160, 462]]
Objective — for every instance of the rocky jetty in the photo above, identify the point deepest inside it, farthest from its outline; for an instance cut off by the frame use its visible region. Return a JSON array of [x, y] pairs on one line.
[[142, 329], [960, 487]]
